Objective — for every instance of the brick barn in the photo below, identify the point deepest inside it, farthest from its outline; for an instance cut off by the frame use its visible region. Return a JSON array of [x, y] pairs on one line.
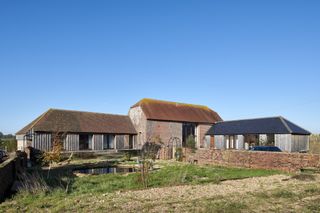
[[168, 120]]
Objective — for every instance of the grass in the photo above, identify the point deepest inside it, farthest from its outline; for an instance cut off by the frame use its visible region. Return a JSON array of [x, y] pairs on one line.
[[78, 188], [315, 144]]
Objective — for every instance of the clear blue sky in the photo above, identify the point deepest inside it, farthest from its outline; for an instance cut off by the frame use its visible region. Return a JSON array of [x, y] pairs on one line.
[[243, 59]]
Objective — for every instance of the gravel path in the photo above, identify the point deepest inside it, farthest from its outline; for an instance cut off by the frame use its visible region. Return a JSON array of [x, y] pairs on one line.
[[159, 198]]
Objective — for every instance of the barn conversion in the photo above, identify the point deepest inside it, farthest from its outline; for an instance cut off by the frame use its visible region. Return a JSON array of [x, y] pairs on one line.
[[84, 131], [171, 122], [274, 131]]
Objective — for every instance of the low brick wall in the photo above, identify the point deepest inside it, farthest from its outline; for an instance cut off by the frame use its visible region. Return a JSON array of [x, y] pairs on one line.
[[9, 170], [289, 162]]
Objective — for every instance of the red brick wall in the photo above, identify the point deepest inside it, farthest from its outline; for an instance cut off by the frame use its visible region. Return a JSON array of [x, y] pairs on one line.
[[264, 160], [165, 130]]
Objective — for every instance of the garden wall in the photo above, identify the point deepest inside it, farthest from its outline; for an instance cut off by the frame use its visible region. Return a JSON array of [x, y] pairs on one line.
[[288, 162], [9, 170]]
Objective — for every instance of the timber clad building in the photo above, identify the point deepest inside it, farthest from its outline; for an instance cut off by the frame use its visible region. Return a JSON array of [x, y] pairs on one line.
[[171, 122], [84, 131]]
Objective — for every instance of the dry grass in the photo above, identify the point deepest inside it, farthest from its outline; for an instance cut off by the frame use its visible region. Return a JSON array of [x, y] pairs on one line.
[[32, 183], [315, 144]]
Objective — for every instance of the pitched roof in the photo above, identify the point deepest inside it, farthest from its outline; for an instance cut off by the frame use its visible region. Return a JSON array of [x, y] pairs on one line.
[[273, 125], [76, 121], [173, 111]]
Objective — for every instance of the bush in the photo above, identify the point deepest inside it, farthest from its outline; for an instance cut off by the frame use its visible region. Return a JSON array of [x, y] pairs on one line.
[[127, 156], [179, 154], [191, 143]]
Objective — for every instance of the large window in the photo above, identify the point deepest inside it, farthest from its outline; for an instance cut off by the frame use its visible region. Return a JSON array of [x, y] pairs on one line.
[[108, 142], [187, 130], [85, 141]]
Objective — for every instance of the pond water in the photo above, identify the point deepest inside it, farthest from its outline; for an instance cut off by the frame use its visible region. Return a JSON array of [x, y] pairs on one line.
[[106, 170]]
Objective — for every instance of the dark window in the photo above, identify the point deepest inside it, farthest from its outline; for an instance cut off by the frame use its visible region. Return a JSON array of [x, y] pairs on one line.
[[108, 142], [187, 130], [83, 142], [131, 139]]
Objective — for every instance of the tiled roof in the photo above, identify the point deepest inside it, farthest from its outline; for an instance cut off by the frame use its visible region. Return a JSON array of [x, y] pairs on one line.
[[173, 111], [273, 125], [56, 120]]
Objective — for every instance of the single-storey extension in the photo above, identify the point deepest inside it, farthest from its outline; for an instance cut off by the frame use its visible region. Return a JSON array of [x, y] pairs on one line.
[[274, 131], [83, 131]]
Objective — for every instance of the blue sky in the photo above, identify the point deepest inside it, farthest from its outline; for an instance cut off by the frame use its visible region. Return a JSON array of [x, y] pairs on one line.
[[244, 59]]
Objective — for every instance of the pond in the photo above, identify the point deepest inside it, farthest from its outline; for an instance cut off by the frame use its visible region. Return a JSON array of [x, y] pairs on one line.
[[106, 170]]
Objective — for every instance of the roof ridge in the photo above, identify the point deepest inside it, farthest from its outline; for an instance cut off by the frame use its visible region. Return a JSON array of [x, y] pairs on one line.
[[172, 102], [249, 119], [285, 124], [100, 113]]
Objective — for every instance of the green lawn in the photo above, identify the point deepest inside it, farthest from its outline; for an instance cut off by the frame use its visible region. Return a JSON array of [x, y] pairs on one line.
[[65, 188]]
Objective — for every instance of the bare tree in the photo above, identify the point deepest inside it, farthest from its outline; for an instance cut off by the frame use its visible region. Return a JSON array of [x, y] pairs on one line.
[[147, 157]]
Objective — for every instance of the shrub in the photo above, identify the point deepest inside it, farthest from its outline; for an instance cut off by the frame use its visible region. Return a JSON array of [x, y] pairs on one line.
[[127, 156], [191, 143], [179, 154]]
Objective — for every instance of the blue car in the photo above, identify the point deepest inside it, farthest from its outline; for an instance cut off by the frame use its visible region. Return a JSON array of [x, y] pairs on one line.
[[266, 148]]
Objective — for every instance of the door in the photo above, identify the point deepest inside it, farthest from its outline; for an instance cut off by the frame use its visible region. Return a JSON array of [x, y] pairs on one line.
[[212, 145]]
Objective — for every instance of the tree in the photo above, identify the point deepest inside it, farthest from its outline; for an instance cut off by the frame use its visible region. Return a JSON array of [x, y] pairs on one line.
[[54, 156], [1, 135], [147, 157]]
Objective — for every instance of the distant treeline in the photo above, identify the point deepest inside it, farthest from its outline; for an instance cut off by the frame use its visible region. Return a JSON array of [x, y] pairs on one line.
[[3, 136], [8, 142]]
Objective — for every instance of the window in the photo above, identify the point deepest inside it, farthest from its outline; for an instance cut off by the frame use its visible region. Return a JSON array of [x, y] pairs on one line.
[[187, 130], [108, 141], [230, 141], [83, 141], [270, 140]]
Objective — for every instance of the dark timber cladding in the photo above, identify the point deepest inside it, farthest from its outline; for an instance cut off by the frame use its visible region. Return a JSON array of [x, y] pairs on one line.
[[273, 125], [173, 111]]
